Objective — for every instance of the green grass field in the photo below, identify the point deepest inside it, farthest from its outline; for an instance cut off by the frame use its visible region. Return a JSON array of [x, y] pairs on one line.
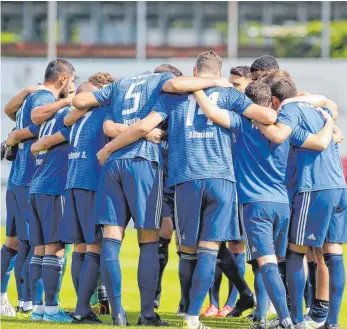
[[131, 299]]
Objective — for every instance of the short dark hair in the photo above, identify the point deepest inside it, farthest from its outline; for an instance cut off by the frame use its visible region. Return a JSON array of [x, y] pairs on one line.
[[274, 75], [283, 89], [168, 68], [265, 63], [56, 67], [100, 79], [209, 61], [241, 71], [259, 93]]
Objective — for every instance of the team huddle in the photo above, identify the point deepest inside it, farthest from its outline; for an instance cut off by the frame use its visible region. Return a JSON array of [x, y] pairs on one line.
[[245, 169]]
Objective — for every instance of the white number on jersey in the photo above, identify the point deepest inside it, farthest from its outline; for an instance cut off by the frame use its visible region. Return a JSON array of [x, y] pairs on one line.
[[46, 128], [19, 116], [136, 96], [192, 107], [77, 136]]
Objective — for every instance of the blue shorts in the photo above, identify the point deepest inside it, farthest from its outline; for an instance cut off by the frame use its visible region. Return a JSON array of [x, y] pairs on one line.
[[22, 196], [206, 210], [79, 220], [47, 218], [12, 212], [168, 198], [130, 188], [318, 217], [266, 227]]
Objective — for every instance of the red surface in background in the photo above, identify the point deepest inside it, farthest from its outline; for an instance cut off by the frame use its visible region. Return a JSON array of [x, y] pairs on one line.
[[344, 163]]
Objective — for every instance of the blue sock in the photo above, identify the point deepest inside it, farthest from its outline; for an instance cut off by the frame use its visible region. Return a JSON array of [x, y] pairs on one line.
[[52, 270], [202, 279], [111, 273], [36, 283], [88, 280], [147, 276], [233, 292], [214, 290], [312, 283], [25, 276], [260, 292], [23, 251], [8, 257], [276, 291], [76, 265], [337, 281], [186, 269], [163, 260], [296, 284]]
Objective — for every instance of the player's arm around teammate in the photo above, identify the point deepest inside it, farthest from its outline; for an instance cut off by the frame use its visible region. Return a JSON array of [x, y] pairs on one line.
[[278, 132], [16, 102]]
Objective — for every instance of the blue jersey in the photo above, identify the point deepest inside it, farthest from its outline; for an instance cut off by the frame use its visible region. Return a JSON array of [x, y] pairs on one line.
[[25, 161], [86, 138], [260, 165], [51, 165], [198, 148], [9, 181], [291, 173], [316, 170], [131, 100]]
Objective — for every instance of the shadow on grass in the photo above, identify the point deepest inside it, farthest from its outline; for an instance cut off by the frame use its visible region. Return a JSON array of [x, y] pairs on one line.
[[173, 319]]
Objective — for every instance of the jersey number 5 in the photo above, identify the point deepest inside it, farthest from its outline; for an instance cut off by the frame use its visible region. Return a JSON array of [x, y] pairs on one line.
[[131, 95], [192, 107]]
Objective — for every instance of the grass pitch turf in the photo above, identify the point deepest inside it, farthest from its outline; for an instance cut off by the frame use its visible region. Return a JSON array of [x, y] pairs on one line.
[[131, 298]]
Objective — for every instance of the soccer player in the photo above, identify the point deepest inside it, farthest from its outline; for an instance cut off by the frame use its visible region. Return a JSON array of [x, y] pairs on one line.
[[133, 171], [58, 79], [262, 65], [86, 137], [310, 225], [261, 190], [21, 179], [201, 170], [167, 225], [314, 227], [240, 77], [10, 248]]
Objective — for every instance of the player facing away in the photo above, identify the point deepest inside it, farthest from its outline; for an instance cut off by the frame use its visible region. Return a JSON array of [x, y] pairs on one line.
[[319, 209], [133, 171], [85, 134], [201, 170], [260, 172], [240, 77], [10, 249]]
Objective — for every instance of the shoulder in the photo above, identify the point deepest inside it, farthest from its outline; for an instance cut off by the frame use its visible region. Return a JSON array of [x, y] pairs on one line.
[[43, 94]]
